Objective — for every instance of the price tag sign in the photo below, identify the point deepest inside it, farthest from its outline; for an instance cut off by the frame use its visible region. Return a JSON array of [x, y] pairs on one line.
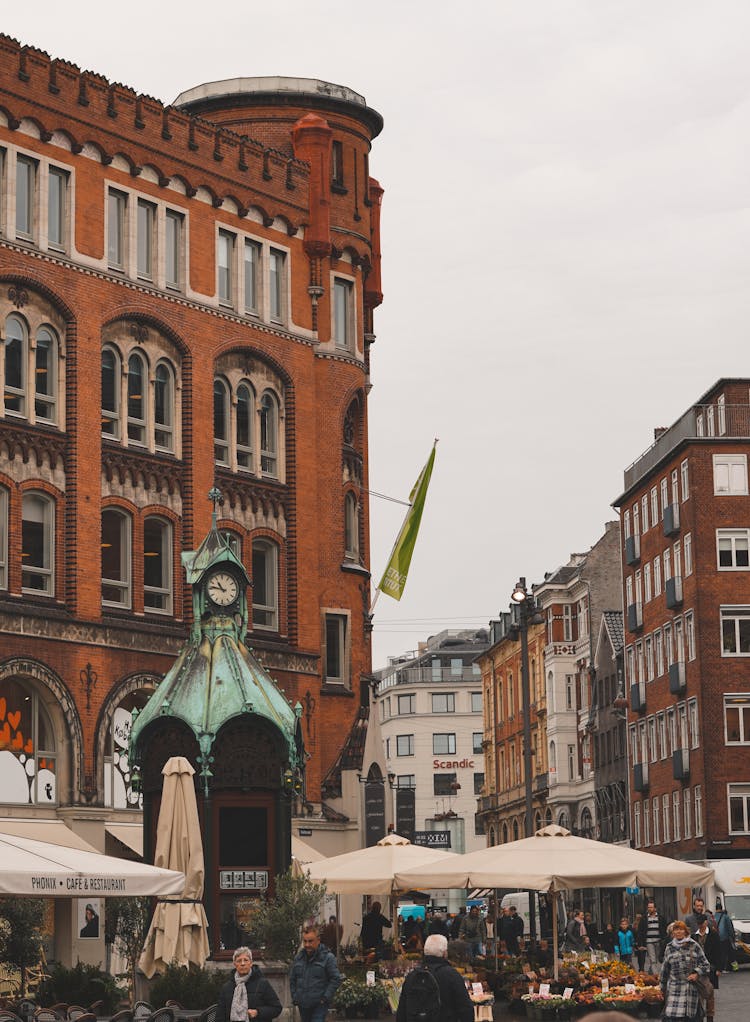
[[531, 988], [477, 989], [605, 985], [544, 989], [630, 988], [371, 979], [567, 993]]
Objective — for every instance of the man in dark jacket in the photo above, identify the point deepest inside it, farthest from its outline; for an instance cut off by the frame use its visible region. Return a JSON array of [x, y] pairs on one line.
[[455, 1003], [257, 1001], [456, 924], [372, 929], [652, 935], [314, 977], [575, 932]]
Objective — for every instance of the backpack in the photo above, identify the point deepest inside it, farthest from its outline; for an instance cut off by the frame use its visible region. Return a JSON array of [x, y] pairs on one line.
[[422, 995]]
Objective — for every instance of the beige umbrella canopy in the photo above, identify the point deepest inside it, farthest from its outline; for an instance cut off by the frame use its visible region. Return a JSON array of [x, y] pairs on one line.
[[372, 870], [178, 931]]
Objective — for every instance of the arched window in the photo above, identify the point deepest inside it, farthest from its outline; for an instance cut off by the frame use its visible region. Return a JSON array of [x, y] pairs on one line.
[[548, 817], [164, 407], [16, 362], [118, 786], [269, 439], [110, 393], [37, 543], [157, 565], [244, 427], [587, 824], [351, 526], [515, 830], [553, 761], [221, 422], [505, 833], [265, 585], [116, 558], [137, 383], [563, 820], [28, 762], [537, 821], [45, 377], [492, 836]]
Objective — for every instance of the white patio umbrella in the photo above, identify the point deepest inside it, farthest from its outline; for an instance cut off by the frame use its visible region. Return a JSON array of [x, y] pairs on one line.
[[554, 860], [179, 930], [43, 870], [373, 870]]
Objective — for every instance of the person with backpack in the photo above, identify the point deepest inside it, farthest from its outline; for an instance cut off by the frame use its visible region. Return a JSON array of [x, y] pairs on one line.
[[727, 937], [435, 992]]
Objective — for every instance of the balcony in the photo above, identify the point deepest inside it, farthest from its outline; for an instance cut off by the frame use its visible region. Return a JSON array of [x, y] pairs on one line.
[[677, 679], [673, 591], [681, 764], [635, 617], [632, 549], [640, 777], [736, 426], [541, 783], [671, 520], [638, 697]]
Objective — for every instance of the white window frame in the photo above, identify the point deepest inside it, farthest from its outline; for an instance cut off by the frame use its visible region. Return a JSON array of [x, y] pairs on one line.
[[124, 584], [160, 595], [656, 808], [730, 474], [278, 286], [226, 271], [687, 549], [657, 576], [46, 571], [739, 790], [449, 743], [684, 480], [740, 702], [698, 804], [265, 616], [687, 814], [338, 623], [343, 325], [404, 745], [732, 536], [737, 615], [654, 505], [647, 582], [146, 248], [117, 229]]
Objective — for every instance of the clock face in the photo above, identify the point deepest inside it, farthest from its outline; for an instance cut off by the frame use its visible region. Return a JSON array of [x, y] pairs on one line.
[[222, 588]]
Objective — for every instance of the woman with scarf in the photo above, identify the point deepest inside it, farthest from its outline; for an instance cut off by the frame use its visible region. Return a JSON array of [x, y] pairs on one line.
[[248, 994], [684, 962]]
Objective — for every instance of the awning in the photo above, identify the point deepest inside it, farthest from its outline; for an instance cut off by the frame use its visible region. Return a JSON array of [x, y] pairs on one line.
[[128, 834], [53, 832], [305, 853]]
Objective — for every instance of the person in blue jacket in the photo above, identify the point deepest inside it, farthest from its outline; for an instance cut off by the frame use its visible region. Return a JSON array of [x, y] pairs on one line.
[[314, 977], [625, 941]]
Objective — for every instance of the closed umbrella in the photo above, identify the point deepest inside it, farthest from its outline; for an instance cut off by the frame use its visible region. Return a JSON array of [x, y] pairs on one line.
[[179, 930], [555, 860]]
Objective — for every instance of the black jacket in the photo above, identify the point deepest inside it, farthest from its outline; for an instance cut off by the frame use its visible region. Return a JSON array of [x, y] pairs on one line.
[[314, 979], [642, 931], [260, 995], [455, 1003], [372, 929]]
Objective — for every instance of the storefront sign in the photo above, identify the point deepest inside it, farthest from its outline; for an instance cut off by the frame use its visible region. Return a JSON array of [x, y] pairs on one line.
[[432, 838], [452, 764], [243, 879]]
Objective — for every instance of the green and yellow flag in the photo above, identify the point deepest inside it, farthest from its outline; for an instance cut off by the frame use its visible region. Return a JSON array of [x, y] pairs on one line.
[[393, 581]]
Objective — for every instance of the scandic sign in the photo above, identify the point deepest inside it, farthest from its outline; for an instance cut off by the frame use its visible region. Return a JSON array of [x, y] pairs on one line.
[[445, 764]]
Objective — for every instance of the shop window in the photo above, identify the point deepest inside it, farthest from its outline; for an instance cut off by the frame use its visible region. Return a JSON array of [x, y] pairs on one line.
[[119, 792], [28, 749]]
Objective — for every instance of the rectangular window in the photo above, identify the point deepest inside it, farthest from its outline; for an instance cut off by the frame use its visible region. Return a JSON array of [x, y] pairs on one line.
[[444, 784], [690, 635], [636, 519], [671, 730], [57, 206], [343, 326], [407, 704], [737, 719], [675, 487], [646, 583], [644, 512], [668, 648], [676, 815], [657, 576], [659, 651], [444, 744], [337, 649], [37, 544], [337, 163], [656, 806], [738, 796], [3, 538], [476, 743], [685, 479], [721, 414], [277, 287], [225, 264], [646, 822], [157, 566], [735, 631], [26, 176], [572, 771], [626, 524], [404, 745], [733, 549], [476, 702], [661, 729], [654, 505], [652, 746], [687, 816], [145, 225], [667, 557], [666, 814], [173, 248], [730, 474], [443, 702], [117, 207], [637, 824], [478, 783], [698, 811], [406, 781], [649, 659], [679, 641], [663, 486], [251, 265], [568, 624], [687, 545]]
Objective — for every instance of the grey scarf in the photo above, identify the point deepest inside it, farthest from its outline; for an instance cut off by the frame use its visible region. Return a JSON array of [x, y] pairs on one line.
[[238, 1011]]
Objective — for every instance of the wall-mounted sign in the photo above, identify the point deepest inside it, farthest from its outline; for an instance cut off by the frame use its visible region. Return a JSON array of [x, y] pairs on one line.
[[243, 879], [448, 764], [305, 832], [405, 813], [432, 838], [374, 812]]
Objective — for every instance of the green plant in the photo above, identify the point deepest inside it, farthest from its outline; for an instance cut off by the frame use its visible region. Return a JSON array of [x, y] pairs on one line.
[[83, 984], [125, 928], [194, 988], [278, 921], [23, 948], [354, 995]]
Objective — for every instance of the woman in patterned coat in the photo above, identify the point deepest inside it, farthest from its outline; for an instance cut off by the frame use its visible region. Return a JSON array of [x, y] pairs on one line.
[[684, 961]]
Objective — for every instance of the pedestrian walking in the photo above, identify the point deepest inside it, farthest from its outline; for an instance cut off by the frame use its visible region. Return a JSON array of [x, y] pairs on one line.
[[314, 977], [625, 941], [651, 934], [248, 994], [453, 1002], [575, 932], [727, 938], [708, 939], [474, 932], [684, 962]]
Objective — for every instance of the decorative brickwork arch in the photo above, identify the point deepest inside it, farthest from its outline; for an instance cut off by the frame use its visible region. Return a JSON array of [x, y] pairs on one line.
[[142, 681], [61, 708]]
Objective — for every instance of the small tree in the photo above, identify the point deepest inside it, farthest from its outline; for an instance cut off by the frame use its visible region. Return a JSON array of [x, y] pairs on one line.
[[279, 920], [126, 926], [25, 917]]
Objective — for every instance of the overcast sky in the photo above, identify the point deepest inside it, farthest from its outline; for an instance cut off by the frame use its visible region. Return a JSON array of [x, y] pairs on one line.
[[565, 243]]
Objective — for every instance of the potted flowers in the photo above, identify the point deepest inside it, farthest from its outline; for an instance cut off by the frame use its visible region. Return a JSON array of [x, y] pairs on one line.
[[354, 998]]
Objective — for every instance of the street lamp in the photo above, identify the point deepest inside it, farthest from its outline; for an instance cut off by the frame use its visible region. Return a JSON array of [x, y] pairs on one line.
[[527, 613]]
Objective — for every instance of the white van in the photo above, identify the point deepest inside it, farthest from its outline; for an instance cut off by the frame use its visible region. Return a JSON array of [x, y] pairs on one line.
[[521, 900], [732, 885]]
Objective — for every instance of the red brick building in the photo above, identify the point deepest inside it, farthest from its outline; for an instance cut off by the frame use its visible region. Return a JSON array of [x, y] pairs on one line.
[[685, 514], [186, 300]]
